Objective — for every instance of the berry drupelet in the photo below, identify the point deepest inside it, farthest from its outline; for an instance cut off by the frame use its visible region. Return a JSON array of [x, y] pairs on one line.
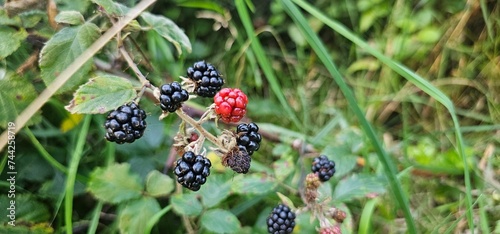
[[208, 80], [281, 220], [248, 137], [172, 96], [192, 170], [230, 105], [125, 124], [324, 167]]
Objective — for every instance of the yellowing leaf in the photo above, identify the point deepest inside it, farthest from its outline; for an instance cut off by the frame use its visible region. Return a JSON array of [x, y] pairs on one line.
[[216, 162], [72, 121]]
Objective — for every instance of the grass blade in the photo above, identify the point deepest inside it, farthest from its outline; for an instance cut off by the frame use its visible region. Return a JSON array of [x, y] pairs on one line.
[[73, 168], [263, 61], [386, 161], [415, 79]]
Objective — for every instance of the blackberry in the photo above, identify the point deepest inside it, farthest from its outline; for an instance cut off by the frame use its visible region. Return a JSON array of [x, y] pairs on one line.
[[281, 220], [172, 96], [125, 124], [324, 167], [238, 160], [248, 137], [208, 80], [192, 170]]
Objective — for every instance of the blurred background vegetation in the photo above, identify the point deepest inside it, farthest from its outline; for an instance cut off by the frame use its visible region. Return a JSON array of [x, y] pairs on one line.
[[453, 44]]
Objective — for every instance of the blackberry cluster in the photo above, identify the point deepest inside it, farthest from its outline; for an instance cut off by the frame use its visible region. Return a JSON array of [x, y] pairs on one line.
[[281, 220], [192, 170], [324, 167], [172, 96], [125, 124], [248, 137], [208, 80]]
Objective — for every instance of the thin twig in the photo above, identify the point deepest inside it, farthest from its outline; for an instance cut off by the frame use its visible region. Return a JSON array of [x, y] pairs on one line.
[[199, 128]]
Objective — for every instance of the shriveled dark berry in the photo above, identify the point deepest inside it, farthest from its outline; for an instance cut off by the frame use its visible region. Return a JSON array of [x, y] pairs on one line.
[[281, 220], [192, 170], [208, 80], [324, 167], [238, 160], [125, 124], [172, 96], [248, 137]]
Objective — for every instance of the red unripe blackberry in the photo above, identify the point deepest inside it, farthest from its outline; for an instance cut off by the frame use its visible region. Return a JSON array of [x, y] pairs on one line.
[[192, 170], [248, 137], [208, 80], [281, 220], [172, 96], [324, 167], [230, 105], [125, 124]]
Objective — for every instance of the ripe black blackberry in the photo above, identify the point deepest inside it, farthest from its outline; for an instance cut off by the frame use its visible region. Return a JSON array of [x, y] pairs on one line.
[[248, 137], [192, 170], [125, 124], [208, 80], [324, 167], [281, 220], [172, 96]]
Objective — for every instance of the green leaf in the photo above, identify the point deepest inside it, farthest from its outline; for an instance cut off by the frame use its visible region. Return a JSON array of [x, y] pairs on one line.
[[8, 111], [112, 8], [23, 228], [286, 200], [220, 221], [72, 5], [26, 208], [168, 30], [283, 167], [31, 18], [62, 49], [11, 40], [115, 184], [186, 204], [101, 94], [252, 184], [207, 5], [215, 190], [136, 214], [70, 17], [15, 95], [158, 184], [358, 186], [6, 20], [344, 160]]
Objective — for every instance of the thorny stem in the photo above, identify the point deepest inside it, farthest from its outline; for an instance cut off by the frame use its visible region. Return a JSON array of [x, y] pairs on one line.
[[131, 64], [199, 128]]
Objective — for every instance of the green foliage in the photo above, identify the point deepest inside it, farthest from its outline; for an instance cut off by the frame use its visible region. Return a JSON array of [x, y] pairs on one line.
[[115, 184], [401, 96], [220, 221], [62, 49], [101, 94]]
